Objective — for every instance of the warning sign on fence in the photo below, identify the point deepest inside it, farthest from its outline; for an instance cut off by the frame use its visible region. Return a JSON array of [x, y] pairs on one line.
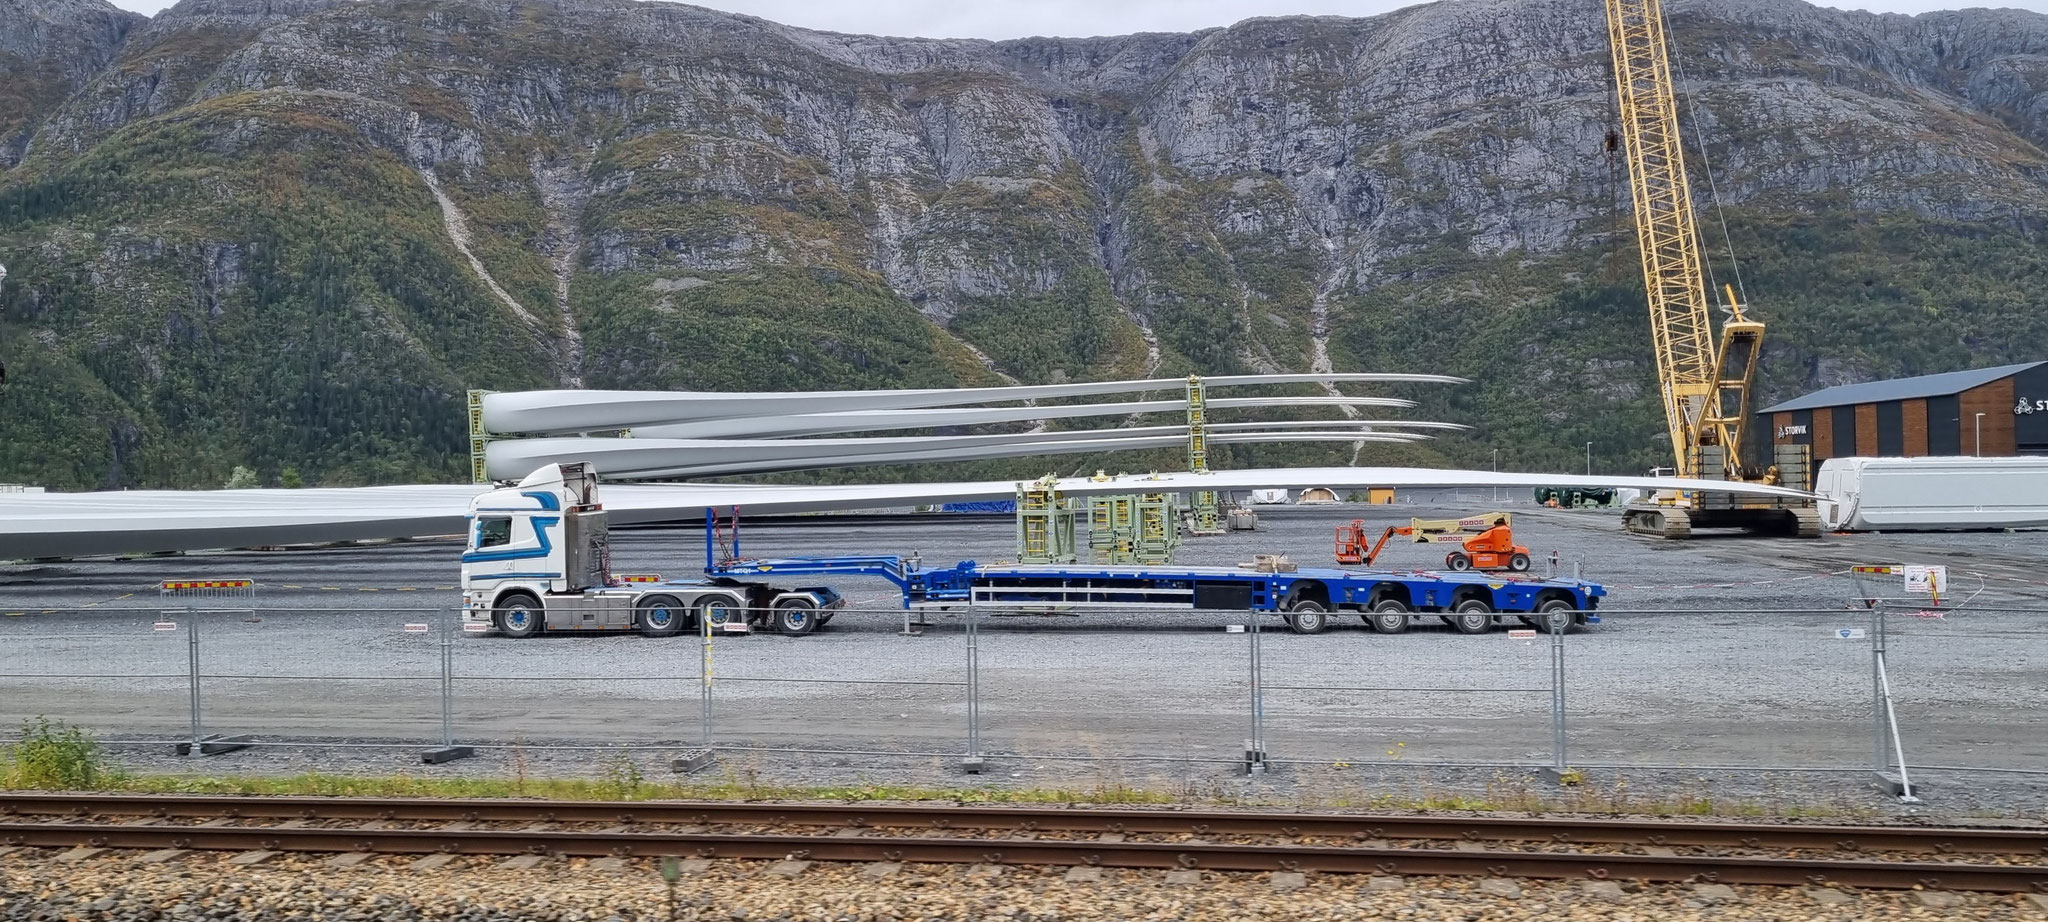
[[165, 626], [415, 628], [1849, 633], [1922, 580]]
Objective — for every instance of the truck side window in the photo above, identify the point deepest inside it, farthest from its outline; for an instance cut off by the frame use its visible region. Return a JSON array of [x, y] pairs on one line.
[[492, 532]]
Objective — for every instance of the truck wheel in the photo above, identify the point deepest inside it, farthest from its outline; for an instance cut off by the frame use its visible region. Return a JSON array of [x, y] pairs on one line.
[[795, 616], [519, 615], [1554, 616], [1472, 616], [718, 610], [1457, 560], [1390, 616], [1307, 616], [1519, 563], [659, 616]]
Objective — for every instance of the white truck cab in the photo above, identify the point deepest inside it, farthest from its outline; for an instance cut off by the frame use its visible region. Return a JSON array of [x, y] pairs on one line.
[[538, 559]]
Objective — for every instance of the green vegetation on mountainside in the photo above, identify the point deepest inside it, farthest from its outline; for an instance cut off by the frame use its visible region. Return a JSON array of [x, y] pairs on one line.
[[1559, 351], [237, 287]]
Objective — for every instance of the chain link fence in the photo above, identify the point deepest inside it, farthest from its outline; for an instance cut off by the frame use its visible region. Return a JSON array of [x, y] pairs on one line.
[[1204, 692]]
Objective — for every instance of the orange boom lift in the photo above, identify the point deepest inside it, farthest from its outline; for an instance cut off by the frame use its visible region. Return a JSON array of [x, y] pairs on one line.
[[1493, 546]]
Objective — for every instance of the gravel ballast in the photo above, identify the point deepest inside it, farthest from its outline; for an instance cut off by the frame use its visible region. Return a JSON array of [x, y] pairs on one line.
[[35, 887]]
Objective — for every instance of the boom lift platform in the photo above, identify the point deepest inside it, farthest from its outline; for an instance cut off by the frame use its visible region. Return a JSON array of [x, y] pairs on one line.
[[1487, 542]]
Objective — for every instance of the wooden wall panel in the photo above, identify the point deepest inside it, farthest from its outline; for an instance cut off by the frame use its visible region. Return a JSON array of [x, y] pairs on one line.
[[1915, 425], [1823, 437], [1866, 429], [1995, 401]]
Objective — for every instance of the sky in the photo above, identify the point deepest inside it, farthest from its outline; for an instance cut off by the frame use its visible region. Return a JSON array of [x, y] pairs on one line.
[[997, 19]]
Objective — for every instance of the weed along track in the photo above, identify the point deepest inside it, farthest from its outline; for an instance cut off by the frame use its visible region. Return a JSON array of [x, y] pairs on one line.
[[1874, 857]]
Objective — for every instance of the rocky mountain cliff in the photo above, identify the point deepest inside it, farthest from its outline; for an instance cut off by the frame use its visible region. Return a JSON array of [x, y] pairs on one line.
[[290, 233]]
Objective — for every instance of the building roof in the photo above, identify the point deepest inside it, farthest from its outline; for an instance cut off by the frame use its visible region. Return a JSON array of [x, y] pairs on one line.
[[1941, 385]]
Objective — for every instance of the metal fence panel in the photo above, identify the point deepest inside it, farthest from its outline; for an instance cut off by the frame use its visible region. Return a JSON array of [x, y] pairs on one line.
[[1428, 695]]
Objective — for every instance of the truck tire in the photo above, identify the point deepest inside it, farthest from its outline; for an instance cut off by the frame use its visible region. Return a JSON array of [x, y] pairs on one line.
[[717, 610], [1457, 561], [796, 617], [519, 615], [1519, 563], [1307, 616], [1472, 616], [1389, 616], [1554, 616], [659, 616]]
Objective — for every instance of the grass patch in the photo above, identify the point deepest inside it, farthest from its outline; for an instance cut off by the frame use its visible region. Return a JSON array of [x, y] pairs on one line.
[[617, 784], [52, 756], [56, 757]]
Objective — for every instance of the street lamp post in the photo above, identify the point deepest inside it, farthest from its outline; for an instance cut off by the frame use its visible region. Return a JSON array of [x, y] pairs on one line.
[[1496, 469], [1980, 435], [1589, 459]]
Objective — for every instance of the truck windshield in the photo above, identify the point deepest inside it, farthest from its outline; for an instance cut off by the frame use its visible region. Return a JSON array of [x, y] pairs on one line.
[[491, 532]]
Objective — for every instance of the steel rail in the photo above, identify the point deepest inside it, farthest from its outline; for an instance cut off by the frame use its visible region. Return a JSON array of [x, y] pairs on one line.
[[1565, 830], [1223, 857]]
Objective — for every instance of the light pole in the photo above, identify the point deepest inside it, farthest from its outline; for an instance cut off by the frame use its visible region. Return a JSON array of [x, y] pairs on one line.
[[1589, 459], [1980, 435], [1496, 469]]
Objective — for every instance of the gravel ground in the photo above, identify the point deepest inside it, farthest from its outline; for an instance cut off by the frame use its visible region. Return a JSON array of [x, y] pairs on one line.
[[1696, 678], [36, 885]]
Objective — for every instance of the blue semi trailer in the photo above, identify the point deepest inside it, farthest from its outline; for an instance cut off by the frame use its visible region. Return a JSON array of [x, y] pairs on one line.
[[538, 560], [1306, 598]]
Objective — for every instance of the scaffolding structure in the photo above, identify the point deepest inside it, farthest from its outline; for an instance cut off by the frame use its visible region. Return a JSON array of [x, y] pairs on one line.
[[479, 439], [1045, 523], [1206, 518], [1132, 528]]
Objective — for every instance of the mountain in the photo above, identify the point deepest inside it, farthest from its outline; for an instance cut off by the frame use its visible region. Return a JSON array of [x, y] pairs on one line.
[[289, 234]]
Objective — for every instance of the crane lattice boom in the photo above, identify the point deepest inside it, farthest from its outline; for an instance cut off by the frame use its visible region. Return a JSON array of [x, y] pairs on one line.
[[1706, 392]]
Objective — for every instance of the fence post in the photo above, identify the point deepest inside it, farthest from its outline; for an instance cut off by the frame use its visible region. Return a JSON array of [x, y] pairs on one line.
[[1879, 761], [190, 591], [701, 757], [448, 751], [1255, 746], [1885, 722], [1560, 763], [192, 678], [973, 763]]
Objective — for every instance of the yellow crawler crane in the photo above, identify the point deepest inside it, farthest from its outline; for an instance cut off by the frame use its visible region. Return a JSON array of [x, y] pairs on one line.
[[1705, 389]]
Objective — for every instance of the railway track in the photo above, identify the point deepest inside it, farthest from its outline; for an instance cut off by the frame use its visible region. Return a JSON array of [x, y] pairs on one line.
[[1877, 857]]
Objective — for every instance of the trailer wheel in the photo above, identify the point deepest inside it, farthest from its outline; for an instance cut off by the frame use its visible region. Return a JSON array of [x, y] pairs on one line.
[[659, 616], [718, 610], [1457, 560], [1519, 563], [1554, 616], [1472, 616], [1390, 616], [795, 616], [519, 615], [1307, 616]]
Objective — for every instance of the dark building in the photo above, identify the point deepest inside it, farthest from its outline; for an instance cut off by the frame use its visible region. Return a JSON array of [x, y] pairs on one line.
[[1984, 411]]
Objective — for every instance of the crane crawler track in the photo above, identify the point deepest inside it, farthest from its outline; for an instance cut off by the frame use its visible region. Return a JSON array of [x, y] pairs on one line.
[[44, 820]]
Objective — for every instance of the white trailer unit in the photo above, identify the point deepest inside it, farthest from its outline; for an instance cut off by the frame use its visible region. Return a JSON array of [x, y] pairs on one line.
[[539, 559], [1933, 494]]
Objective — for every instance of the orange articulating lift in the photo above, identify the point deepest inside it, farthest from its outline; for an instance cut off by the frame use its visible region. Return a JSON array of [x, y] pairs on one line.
[[1493, 546]]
